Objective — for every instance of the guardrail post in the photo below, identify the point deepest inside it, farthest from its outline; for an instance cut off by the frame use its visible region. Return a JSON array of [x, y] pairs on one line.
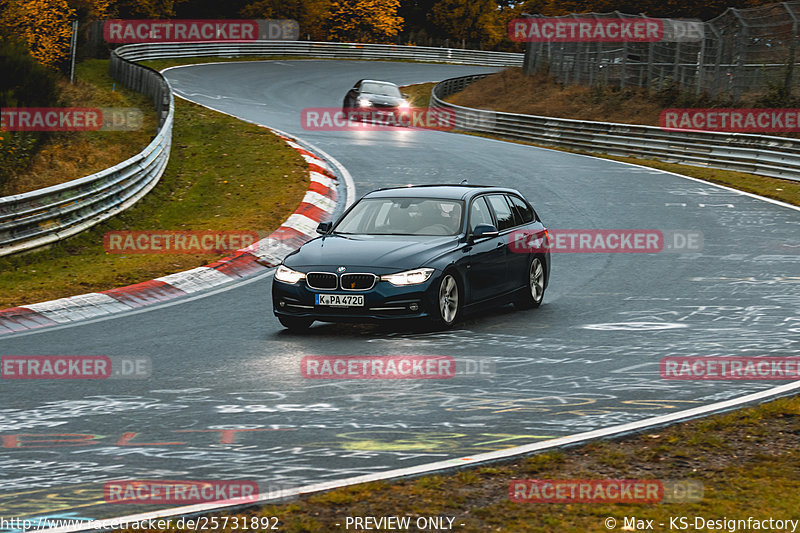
[[701, 59], [741, 44], [787, 82], [715, 80], [624, 65], [527, 62], [676, 64], [650, 54]]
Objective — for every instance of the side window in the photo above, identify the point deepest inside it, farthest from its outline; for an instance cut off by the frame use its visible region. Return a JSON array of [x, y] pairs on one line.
[[505, 218], [479, 214], [522, 211]]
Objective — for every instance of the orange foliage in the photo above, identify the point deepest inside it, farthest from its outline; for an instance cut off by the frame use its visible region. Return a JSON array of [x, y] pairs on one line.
[[310, 14], [44, 25], [365, 21]]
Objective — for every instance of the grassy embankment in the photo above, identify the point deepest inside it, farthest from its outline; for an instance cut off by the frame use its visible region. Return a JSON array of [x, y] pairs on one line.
[[223, 175]]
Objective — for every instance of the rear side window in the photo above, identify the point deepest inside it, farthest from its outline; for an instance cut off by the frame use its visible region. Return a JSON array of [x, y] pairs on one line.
[[479, 214], [505, 218], [522, 211]]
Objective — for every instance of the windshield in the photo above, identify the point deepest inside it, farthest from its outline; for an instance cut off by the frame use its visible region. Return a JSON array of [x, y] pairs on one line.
[[383, 89], [402, 216]]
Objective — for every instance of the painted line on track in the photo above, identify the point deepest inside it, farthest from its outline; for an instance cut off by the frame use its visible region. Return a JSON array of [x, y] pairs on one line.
[[460, 462]]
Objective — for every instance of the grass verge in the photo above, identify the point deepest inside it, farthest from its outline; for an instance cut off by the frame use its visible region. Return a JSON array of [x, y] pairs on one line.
[[513, 91], [223, 175], [70, 155], [747, 461]]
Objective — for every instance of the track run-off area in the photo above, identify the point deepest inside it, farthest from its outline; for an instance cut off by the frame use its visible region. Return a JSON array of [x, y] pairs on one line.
[[227, 400]]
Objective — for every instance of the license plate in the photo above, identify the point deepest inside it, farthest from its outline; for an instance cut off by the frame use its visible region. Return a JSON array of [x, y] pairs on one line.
[[340, 300]]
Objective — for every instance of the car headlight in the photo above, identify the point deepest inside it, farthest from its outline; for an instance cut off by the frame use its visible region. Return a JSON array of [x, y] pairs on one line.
[[287, 275], [364, 102], [404, 104], [409, 277]]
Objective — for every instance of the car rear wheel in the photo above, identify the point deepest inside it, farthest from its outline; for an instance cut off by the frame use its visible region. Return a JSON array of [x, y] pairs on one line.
[[295, 324], [534, 294], [449, 300]]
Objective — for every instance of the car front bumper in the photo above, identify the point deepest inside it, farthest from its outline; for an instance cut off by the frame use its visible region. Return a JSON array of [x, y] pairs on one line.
[[382, 302]]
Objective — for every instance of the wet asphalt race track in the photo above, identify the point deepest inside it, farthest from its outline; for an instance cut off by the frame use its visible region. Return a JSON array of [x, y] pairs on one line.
[[587, 359]]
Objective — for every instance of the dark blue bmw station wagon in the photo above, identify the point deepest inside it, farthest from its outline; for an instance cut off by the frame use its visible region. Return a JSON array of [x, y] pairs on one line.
[[426, 252]]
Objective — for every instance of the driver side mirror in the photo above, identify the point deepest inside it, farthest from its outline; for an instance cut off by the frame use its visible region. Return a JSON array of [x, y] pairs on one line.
[[324, 228], [484, 231]]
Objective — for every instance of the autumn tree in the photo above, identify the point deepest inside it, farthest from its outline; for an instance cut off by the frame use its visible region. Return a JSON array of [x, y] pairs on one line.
[[470, 20], [43, 25], [311, 15], [93, 9], [25, 83], [415, 15], [151, 9], [365, 21]]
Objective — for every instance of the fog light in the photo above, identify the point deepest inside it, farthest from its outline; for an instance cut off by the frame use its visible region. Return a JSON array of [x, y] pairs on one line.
[[282, 303], [414, 307]]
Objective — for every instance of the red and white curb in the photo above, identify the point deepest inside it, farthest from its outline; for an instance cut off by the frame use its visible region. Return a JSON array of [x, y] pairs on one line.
[[317, 206]]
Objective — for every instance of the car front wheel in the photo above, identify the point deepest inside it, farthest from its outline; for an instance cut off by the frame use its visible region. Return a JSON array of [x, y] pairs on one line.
[[449, 300], [534, 294]]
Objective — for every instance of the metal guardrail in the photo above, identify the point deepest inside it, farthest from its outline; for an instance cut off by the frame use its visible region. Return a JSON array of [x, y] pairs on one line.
[[44, 216], [777, 157], [147, 51]]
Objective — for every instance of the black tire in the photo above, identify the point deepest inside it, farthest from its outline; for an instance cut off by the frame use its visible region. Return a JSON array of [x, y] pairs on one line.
[[295, 324], [448, 300], [533, 295]]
